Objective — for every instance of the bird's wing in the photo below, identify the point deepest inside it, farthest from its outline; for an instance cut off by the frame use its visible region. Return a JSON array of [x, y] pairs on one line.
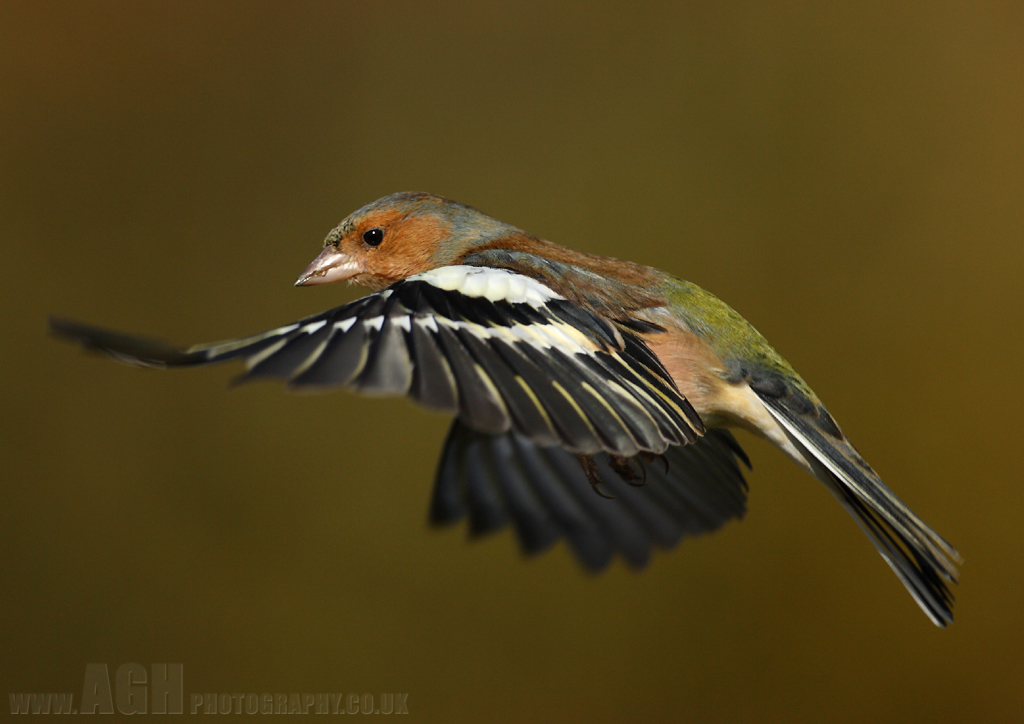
[[920, 557], [499, 349], [544, 493]]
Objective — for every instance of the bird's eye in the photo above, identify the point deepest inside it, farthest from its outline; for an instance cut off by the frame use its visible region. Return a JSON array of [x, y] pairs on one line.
[[373, 237]]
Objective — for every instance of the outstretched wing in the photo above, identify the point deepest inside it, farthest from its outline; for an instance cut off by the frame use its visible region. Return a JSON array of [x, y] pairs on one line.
[[544, 493], [498, 349], [919, 556]]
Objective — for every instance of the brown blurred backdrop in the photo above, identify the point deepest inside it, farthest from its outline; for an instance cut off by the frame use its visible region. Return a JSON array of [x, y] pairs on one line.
[[850, 176]]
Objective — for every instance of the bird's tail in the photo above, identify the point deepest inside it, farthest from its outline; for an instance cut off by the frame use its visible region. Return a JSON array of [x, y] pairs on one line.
[[920, 557]]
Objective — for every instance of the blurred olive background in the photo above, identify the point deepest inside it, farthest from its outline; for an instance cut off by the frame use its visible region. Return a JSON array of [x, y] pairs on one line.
[[850, 176]]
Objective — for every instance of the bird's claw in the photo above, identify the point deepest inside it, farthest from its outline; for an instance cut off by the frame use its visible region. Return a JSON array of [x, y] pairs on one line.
[[624, 467], [649, 457], [589, 466]]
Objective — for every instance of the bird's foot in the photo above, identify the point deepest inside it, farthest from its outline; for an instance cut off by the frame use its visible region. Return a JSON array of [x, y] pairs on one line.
[[624, 467], [590, 470], [649, 457]]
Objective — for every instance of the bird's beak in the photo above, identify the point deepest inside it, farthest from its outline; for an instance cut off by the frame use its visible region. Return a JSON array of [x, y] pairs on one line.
[[330, 266]]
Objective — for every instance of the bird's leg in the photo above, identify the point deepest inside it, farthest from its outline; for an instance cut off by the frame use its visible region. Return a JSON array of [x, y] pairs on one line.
[[590, 470], [624, 467]]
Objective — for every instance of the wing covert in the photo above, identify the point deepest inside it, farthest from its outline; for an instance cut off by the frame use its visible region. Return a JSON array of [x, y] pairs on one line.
[[498, 349]]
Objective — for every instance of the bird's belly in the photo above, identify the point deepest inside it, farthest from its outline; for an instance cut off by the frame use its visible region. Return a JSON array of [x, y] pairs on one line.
[[702, 379]]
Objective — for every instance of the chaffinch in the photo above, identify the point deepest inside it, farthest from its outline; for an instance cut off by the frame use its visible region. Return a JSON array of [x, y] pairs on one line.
[[568, 374]]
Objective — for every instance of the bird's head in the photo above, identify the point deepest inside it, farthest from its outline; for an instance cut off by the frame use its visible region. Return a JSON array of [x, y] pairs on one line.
[[400, 235]]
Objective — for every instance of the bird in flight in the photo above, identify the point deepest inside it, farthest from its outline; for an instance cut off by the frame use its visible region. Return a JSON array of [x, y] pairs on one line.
[[592, 396]]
